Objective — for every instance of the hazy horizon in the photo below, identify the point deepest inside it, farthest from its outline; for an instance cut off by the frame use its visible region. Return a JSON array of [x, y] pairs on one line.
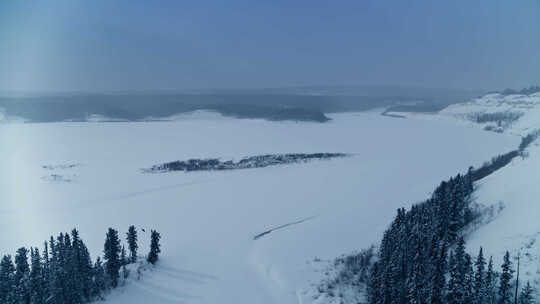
[[100, 46], [256, 90]]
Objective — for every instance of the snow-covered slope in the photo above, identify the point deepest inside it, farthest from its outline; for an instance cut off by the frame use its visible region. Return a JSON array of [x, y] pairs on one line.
[[208, 219], [517, 227], [515, 187], [516, 114]]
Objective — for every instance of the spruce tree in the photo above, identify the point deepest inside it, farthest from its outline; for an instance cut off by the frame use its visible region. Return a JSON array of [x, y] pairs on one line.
[[7, 280], [21, 263], [154, 247], [72, 279], [489, 286], [132, 243], [469, 281], [527, 294], [100, 280], [112, 256], [505, 281], [123, 258], [37, 291], [415, 280], [46, 270], [82, 264], [22, 271], [439, 279], [479, 278], [85, 271], [457, 287], [124, 261], [74, 261], [55, 286], [60, 294], [374, 285]]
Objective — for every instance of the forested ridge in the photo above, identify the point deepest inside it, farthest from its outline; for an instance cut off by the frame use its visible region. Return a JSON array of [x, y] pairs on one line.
[[422, 256]]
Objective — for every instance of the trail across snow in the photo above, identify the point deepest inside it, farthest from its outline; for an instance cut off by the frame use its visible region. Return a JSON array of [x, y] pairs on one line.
[[208, 219], [281, 227]]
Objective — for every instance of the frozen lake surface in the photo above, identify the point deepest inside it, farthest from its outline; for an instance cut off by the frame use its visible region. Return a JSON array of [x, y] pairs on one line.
[[208, 220]]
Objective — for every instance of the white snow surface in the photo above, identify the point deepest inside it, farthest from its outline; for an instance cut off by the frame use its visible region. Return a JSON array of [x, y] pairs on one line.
[[208, 219]]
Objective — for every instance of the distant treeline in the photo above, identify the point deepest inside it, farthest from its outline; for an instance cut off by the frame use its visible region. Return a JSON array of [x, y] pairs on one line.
[[499, 117], [259, 161], [502, 160], [64, 273], [494, 164], [296, 104], [142, 107], [528, 139], [525, 91]]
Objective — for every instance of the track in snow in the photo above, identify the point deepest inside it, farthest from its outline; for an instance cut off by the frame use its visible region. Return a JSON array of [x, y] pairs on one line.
[[258, 236]]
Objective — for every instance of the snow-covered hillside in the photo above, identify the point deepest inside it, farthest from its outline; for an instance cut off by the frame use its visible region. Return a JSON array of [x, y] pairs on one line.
[[208, 220], [515, 114], [517, 227], [514, 187]]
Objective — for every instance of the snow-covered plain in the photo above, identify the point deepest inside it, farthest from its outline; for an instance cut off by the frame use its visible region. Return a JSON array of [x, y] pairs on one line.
[[208, 219]]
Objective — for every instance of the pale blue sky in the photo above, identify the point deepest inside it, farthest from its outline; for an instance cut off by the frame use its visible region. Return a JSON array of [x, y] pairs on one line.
[[71, 45]]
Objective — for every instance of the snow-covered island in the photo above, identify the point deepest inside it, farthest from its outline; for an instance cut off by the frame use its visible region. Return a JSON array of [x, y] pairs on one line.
[[258, 161]]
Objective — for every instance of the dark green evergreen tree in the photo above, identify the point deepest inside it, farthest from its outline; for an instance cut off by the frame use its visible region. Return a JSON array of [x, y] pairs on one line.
[[479, 278], [416, 280], [439, 279], [72, 279], [22, 272], [37, 291], [112, 256], [468, 285], [60, 294], [457, 283], [7, 281], [22, 267], [45, 273], [124, 261], [123, 257], [82, 267], [74, 263], [100, 280], [55, 284], [505, 281], [86, 271], [132, 243], [374, 285], [527, 294], [489, 293], [154, 247]]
